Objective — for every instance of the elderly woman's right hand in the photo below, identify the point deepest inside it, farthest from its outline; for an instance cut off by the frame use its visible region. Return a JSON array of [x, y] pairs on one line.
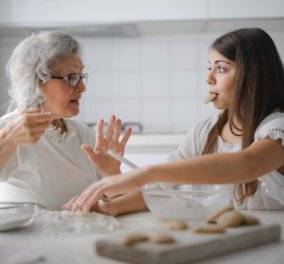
[[27, 127]]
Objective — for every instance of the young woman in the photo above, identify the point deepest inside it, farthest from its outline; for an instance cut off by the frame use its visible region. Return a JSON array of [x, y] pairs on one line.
[[243, 145], [40, 147]]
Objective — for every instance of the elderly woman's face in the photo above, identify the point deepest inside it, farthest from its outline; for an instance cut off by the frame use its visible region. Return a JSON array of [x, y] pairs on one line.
[[60, 98]]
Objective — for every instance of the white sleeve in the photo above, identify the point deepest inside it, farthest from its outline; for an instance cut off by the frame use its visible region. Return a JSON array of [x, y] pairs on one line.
[[272, 127], [9, 166], [194, 140]]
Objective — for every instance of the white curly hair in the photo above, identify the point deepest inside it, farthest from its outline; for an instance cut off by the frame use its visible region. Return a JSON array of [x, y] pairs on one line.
[[33, 60]]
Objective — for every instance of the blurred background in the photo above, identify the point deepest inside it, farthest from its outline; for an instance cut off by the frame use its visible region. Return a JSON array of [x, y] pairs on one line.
[[147, 59]]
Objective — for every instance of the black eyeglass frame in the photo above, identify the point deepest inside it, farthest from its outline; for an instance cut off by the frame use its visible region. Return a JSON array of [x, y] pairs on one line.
[[67, 78]]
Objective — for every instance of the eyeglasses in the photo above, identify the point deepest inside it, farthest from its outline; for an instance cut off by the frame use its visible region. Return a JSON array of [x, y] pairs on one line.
[[73, 79]]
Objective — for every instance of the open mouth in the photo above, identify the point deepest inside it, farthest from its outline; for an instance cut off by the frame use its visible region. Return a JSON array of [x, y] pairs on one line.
[[75, 101], [210, 98]]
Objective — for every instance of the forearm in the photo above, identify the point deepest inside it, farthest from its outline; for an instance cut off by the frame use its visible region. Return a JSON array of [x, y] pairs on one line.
[[110, 173], [129, 203], [207, 169], [7, 147]]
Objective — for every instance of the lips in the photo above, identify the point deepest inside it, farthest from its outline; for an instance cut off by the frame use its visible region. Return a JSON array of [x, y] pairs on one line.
[[75, 100]]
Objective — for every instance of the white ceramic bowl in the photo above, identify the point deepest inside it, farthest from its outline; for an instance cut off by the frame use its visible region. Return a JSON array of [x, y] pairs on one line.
[[186, 201], [16, 215]]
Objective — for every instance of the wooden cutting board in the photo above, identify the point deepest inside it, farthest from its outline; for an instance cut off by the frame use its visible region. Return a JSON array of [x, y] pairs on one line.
[[189, 246]]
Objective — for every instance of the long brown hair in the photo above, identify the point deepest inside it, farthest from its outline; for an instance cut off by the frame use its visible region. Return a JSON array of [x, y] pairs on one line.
[[259, 89]]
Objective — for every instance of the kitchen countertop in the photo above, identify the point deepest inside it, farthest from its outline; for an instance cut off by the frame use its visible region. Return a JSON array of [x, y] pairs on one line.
[[153, 143], [155, 139], [80, 248]]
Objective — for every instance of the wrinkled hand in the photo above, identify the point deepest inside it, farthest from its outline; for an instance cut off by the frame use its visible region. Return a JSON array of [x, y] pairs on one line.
[[103, 206], [105, 164], [27, 127], [107, 187]]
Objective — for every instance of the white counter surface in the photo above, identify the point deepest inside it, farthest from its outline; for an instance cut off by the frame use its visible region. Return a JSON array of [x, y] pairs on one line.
[[153, 143], [155, 139], [80, 248]]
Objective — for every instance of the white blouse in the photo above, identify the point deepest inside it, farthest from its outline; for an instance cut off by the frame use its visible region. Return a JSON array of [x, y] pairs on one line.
[[51, 171], [270, 192]]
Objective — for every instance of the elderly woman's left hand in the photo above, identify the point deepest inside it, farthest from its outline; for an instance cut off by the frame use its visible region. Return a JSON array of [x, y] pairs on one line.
[[105, 164]]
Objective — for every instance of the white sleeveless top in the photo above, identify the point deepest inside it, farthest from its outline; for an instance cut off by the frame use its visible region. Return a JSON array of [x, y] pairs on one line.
[[270, 192], [51, 171]]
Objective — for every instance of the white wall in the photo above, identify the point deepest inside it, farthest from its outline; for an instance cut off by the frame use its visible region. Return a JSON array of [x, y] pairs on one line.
[[6, 47], [156, 80]]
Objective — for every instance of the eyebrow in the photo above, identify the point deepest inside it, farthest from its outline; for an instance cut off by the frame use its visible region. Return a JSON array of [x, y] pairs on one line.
[[217, 61], [76, 67], [81, 67]]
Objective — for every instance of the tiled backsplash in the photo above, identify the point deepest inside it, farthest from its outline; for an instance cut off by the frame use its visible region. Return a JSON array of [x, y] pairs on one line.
[[155, 80], [158, 81]]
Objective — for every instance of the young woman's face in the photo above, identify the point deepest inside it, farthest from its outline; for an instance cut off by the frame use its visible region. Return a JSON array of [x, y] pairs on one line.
[[60, 98], [221, 79]]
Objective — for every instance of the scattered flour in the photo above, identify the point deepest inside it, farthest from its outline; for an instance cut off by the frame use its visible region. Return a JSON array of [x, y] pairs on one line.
[[64, 223]]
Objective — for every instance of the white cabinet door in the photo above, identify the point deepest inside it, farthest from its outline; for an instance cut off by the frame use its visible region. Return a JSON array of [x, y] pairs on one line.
[[231, 9], [74, 12]]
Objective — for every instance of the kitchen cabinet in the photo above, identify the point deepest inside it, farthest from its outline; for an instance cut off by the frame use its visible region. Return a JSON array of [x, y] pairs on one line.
[[71, 12], [224, 9], [49, 13]]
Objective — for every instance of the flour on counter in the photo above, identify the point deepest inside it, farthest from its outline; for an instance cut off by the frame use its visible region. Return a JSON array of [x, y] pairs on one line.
[[62, 223]]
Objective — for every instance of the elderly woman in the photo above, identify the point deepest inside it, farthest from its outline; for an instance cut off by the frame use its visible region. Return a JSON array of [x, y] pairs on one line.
[[40, 156]]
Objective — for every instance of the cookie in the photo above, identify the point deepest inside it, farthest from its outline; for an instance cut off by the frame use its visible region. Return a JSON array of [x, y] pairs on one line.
[[160, 238], [207, 228], [213, 217], [250, 220], [209, 98], [132, 239], [176, 225], [230, 219]]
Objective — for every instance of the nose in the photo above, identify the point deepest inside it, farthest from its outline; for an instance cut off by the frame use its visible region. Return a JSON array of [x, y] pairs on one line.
[[81, 87], [210, 78]]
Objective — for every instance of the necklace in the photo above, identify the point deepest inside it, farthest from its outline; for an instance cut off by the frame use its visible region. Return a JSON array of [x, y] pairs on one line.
[[59, 123]]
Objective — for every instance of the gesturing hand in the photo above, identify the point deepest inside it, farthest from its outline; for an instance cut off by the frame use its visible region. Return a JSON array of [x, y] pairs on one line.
[[103, 162]]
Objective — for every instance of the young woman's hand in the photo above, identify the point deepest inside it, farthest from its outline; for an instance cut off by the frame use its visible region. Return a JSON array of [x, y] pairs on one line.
[[105, 164], [27, 127]]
